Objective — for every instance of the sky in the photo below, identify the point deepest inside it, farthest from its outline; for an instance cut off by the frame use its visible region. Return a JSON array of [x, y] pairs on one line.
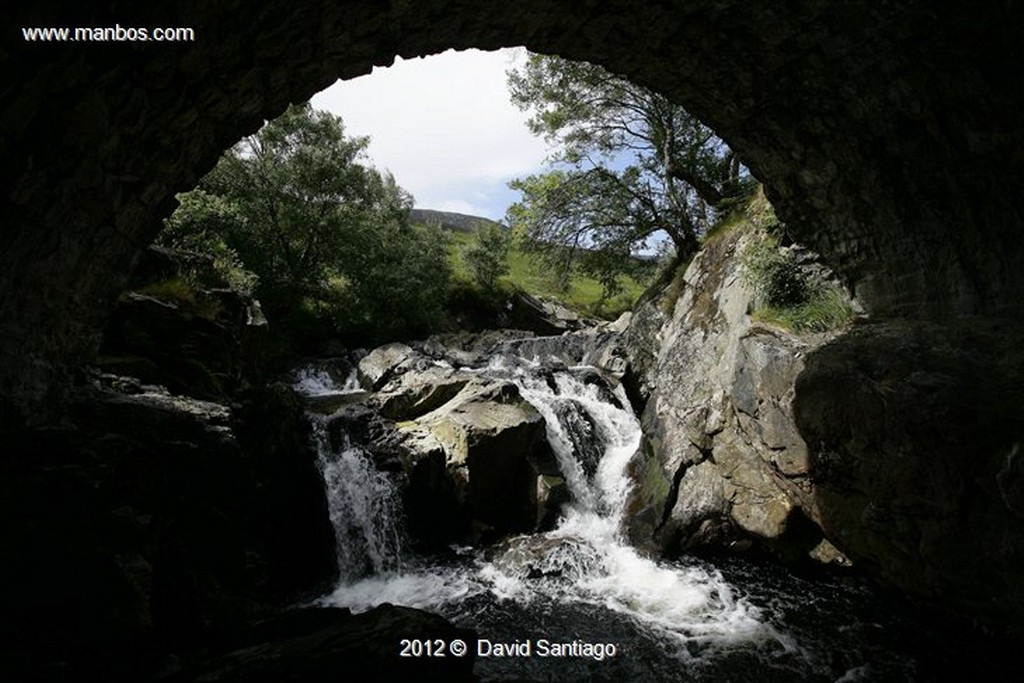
[[444, 126]]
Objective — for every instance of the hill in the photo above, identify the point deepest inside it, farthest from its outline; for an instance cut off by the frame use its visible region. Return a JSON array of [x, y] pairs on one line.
[[526, 272], [449, 220]]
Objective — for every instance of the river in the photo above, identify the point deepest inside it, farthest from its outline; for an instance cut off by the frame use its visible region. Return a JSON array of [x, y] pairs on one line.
[[610, 613]]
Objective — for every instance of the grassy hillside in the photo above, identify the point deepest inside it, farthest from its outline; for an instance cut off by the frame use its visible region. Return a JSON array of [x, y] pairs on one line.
[[528, 275]]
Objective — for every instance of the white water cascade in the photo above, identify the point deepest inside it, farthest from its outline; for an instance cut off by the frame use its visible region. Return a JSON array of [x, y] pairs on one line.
[[583, 567], [363, 508]]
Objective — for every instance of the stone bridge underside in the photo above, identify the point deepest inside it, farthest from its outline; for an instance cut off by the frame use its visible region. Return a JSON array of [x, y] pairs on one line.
[[887, 133]]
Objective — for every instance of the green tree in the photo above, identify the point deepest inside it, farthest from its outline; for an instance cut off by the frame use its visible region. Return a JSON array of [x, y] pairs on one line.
[[322, 232], [398, 279], [487, 255], [631, 168]]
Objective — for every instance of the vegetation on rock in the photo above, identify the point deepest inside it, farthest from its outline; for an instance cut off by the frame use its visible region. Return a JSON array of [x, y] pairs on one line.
[[795, 295]]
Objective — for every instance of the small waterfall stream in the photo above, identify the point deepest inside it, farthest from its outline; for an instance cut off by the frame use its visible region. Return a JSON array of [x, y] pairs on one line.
[[364, 508], [580, 581]]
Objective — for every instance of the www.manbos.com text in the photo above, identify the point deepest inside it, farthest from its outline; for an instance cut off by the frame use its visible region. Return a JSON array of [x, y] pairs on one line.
[[109, 34]]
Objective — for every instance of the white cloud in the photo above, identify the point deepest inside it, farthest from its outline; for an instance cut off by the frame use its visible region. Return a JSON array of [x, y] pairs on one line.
[[444, 126]]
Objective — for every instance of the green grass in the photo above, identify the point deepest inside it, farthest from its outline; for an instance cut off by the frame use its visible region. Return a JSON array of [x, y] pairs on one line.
[[185, 295], [827, 309], [175, 290], [527, 274]]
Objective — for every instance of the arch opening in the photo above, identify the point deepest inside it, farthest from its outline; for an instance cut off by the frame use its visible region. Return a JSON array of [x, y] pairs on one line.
[[884, 132]]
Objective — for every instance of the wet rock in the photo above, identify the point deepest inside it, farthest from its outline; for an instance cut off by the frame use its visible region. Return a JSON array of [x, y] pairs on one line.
[[546, 556], [646, 504], [552, 494], [378, 366], [579, 426], [486, 450]]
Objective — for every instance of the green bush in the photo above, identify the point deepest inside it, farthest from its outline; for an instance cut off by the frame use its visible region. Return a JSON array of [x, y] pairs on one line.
[[292, 215], [398, 281], [826, 309], [775, 274], [788, 296]]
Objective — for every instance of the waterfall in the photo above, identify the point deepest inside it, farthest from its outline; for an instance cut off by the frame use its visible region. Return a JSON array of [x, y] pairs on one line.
[[584, 561], [363, 502], [317, 381], [670, 621], [364, 507], [587, 552]]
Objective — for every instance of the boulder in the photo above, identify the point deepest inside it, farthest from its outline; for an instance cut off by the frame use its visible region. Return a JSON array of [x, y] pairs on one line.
[[527, 312], [492, 446], [413, 394], [378, 366], [546, 556], [914, 433]]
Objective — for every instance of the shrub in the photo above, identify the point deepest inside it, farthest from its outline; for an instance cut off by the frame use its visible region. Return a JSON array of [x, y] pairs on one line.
[[775, 274], [826, 309], [787, 295]]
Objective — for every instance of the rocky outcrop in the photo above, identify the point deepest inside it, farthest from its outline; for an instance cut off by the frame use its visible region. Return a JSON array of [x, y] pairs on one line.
[[167, 330], [409, 384], [149, 524], [723, 463], [473, 453], [914, 434], [892, 445], [495, 452]]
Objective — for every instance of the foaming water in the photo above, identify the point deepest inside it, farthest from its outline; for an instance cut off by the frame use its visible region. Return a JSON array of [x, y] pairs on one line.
[[555, 584], [425, 588], [688, 620], [363, 506], [317, 382]]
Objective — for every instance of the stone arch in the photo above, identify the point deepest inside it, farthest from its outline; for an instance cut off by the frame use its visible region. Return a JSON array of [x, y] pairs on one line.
[[887, 133]]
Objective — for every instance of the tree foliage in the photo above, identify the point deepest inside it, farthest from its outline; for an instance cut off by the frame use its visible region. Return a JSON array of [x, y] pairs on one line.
[[324, 234], [630, 167], [487, 255]]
